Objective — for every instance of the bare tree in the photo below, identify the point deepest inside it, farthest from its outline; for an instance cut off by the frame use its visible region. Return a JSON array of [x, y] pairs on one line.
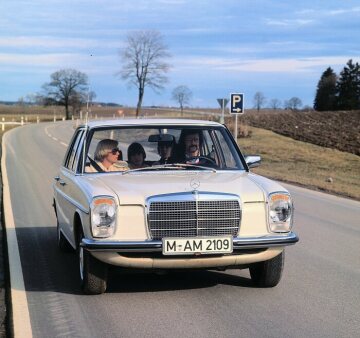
[[65, 85], [182, 95], [294, 103], [259, 100], [92, 97], [21, 101], [30, 98], [275, 104], [39, 99], [76, 101], [143, 62]]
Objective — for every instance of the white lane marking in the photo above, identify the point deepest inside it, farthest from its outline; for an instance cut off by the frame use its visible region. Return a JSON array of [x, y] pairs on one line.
[[21, 325], [54, 138]]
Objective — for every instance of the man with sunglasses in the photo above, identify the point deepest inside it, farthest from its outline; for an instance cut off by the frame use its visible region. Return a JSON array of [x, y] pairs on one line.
[[107, 158]]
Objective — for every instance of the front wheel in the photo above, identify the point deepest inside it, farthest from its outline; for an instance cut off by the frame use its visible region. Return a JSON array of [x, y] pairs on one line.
[[268, 273], [93, 273]]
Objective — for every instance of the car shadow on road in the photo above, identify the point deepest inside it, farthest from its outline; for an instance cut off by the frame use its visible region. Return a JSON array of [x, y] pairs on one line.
[[132, 281], [45, 268]]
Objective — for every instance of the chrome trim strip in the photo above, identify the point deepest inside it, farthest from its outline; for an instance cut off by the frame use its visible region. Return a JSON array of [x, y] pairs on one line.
[[72, 201], [196, 195], [190, 196], [265, 241], [187, 210], [196, 219], [120, 246], [156, 246]]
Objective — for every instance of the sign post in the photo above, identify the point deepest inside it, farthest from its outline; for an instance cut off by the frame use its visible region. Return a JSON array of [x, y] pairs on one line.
[[236, 108], [223, 103]]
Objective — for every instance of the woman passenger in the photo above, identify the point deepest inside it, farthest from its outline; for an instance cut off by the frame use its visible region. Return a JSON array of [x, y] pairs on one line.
[[107, 158]]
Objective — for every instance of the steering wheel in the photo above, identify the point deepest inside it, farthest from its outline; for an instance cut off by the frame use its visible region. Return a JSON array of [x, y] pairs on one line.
[[203, 160]]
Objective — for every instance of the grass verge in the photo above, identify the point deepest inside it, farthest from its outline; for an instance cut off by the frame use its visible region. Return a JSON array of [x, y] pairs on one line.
[[305, 164]]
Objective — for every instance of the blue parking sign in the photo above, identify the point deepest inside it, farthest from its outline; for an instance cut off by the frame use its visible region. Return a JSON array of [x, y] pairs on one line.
[[236, 103]]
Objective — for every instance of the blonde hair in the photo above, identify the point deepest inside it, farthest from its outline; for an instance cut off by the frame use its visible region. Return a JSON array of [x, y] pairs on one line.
[[103, 148]]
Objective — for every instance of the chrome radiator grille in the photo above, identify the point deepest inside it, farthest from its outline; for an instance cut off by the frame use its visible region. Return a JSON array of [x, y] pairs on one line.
[[192, 218]]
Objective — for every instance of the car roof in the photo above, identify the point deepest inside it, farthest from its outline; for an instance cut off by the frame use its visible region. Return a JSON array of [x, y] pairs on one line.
[[150, 122]]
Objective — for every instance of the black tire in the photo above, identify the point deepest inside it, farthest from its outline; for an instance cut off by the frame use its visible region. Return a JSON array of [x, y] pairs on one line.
[[267, 274], [62, 242], [93, 273]]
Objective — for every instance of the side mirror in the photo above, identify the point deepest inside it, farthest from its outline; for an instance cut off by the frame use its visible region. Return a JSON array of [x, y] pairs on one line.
[[253, 161]]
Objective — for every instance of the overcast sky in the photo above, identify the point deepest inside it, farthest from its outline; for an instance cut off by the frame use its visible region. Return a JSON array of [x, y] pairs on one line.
[[279, 48]]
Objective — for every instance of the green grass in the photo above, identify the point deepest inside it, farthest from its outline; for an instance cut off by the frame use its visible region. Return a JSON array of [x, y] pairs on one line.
[[303, 163]]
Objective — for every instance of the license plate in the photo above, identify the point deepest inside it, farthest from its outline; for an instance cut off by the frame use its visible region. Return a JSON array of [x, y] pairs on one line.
[[204, 245]]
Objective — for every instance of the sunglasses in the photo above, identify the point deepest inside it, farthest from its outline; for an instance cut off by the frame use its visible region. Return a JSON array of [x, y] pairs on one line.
[[115, 151]]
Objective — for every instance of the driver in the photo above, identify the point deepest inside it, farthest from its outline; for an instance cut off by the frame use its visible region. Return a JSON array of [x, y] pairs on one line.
[[190, 143]]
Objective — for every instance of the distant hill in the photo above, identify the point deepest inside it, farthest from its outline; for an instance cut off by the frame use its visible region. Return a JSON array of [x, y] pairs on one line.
[[9, 103], [99, 104]]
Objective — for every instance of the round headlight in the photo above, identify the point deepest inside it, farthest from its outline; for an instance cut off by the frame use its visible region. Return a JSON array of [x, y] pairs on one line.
[[103, 216], [280, 212]]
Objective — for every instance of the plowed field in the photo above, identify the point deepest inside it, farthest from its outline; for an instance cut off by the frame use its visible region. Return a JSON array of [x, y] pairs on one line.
[[339, 130]]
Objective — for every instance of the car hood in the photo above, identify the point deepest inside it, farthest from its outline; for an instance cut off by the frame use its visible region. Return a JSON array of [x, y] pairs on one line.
[[134, 188]]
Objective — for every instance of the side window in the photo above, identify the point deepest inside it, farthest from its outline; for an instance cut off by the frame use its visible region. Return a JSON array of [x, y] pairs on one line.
[[72, 156], [75, 163]]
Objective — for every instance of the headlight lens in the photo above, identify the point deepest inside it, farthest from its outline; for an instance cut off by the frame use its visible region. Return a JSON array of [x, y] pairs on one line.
[[280, 212], [103, 216]]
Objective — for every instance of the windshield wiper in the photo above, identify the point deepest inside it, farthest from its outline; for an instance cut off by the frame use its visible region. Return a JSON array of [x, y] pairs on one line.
[[188, 165], [176, 166], [155, 167]]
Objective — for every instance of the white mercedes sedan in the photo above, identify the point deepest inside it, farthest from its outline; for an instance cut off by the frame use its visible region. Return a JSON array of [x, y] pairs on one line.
[[168, 194]]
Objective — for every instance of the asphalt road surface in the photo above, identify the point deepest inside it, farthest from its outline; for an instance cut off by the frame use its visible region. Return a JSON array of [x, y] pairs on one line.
[[318, 296]]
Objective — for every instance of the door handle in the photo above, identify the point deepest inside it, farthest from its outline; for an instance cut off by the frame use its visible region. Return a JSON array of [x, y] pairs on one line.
[[62, 183]]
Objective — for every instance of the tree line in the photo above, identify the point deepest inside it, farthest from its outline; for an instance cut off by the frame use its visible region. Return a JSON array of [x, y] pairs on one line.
[[260, 101], [333, 92], [339, 92]]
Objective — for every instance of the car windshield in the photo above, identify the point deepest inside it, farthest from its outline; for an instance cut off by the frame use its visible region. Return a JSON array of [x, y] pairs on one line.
[[129, 149]]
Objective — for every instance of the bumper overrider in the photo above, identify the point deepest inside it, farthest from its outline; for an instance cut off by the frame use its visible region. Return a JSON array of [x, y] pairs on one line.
[[147, 254]]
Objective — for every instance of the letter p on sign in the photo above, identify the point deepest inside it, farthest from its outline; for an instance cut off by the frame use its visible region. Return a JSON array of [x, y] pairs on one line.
[[237, 103]]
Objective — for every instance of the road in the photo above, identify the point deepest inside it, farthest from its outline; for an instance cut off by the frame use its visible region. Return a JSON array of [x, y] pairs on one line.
[[317, 297]]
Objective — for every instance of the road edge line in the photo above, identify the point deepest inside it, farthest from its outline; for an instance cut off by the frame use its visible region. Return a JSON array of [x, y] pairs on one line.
[[20, 324]]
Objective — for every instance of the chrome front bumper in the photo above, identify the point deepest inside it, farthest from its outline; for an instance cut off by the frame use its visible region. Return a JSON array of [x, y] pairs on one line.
[[278, 240]]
